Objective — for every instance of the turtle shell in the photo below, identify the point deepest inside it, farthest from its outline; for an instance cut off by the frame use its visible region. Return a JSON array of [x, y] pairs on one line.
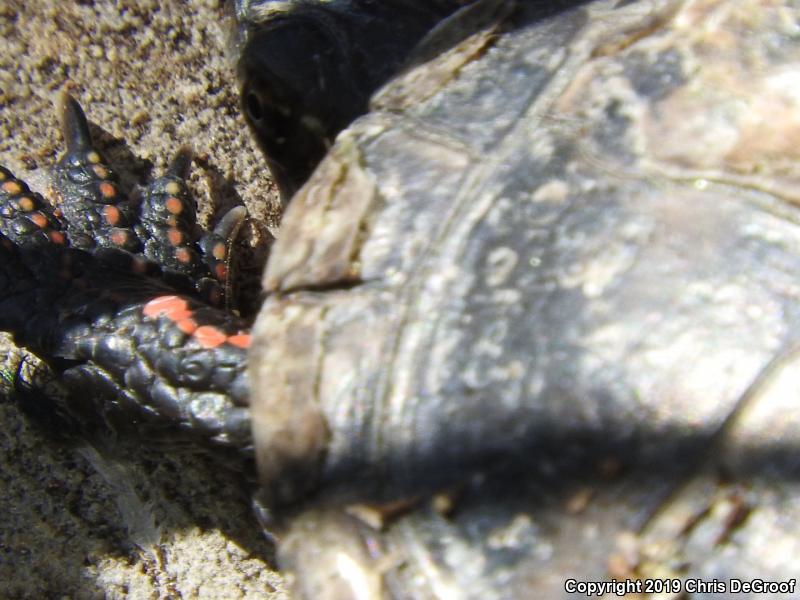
[[535, 317]]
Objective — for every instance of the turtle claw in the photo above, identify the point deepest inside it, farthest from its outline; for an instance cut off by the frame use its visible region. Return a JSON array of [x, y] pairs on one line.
[[74, 126]]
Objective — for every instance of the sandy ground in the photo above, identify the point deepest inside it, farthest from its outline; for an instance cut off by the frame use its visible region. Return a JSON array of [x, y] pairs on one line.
[[75, 523]]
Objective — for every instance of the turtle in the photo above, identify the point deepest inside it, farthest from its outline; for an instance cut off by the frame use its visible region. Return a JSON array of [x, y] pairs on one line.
[[530, 326]]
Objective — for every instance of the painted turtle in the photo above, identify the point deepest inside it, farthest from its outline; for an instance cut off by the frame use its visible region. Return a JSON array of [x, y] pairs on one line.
[[532, 322], [536, 314]]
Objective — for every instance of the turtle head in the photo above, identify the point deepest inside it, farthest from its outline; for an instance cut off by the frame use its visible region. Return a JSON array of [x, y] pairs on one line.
[[307, 70], [297, 92]]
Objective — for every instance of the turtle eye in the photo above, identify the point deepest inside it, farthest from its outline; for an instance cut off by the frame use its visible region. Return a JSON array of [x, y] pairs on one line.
[[253, 106]]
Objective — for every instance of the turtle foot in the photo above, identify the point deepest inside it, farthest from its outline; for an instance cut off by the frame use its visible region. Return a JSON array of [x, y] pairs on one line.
[[121, 294]]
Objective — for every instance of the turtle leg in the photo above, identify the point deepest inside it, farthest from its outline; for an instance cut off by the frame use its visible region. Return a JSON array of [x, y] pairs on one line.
[[102, 288]]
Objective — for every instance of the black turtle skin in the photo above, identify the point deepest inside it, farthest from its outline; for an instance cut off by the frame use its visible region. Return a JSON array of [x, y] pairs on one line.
[[533, 320]]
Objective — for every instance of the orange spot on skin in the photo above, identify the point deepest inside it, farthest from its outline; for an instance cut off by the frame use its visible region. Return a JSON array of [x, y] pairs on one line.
[[240, 340], [173, 205], [221, 272], [39, 220], [179, 315], [111, 214], [209, 337], [107, 189], [26, 203], [174, 308], [119, 237], [175, 236], [187, 326], [100, 171], [93, 157], [12, 187], [219, 251], [56, 237], [183, 255]]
